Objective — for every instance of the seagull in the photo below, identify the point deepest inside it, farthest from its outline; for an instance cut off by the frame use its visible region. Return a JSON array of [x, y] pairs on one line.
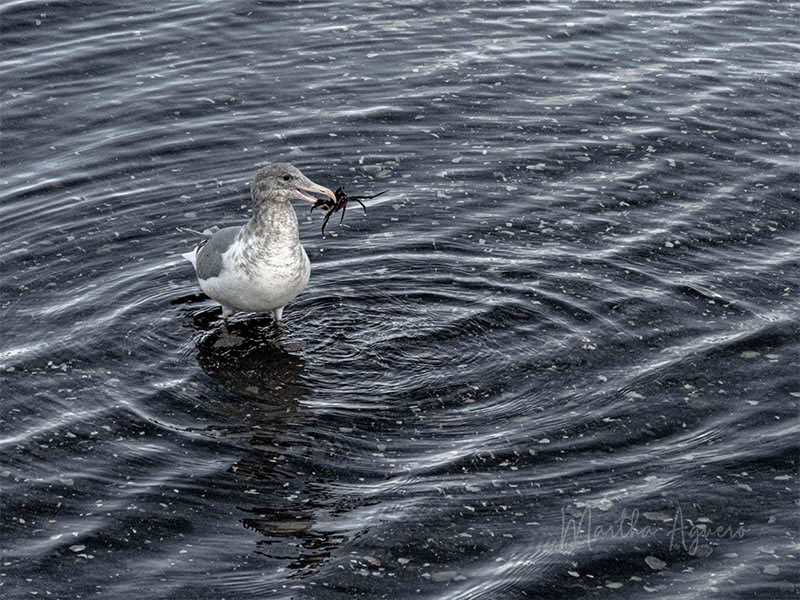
[[260, 266]]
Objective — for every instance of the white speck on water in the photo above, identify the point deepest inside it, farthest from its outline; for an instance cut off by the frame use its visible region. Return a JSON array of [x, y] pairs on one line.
[[655, 563], [603, 504], [78, 548]]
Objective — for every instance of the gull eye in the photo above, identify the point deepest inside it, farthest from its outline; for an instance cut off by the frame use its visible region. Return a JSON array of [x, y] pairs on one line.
[[287, 177]]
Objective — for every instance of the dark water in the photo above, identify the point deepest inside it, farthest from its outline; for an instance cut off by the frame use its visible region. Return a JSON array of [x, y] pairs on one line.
[[558, 360]]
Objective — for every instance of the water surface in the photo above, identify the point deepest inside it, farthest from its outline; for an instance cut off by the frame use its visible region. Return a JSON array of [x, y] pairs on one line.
[[557, 360]]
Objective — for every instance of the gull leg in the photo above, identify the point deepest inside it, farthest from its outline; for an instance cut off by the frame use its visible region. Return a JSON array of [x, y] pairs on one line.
[[226, 312]]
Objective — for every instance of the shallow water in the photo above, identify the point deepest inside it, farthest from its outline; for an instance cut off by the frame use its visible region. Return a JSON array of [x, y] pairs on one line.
[[557, 360]]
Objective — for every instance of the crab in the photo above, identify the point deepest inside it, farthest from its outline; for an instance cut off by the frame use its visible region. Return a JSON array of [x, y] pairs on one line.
[[340, 204]]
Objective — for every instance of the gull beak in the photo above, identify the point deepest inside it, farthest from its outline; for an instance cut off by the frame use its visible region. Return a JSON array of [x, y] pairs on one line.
[[314, 189]]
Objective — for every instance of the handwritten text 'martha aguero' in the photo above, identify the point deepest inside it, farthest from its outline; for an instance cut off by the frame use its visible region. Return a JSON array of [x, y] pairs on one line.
[[682, 534]]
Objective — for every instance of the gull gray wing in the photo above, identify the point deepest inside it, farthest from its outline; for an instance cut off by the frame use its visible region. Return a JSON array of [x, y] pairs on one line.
[[209, 255]]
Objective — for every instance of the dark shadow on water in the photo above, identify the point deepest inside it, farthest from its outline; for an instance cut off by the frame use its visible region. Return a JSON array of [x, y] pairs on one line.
[[256, 361], [189, 299], [254, 358]]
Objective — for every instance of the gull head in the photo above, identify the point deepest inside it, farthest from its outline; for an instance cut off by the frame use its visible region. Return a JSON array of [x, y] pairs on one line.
[[282, 182]]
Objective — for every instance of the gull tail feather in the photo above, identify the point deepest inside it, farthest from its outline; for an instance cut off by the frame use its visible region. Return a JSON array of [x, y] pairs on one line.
[[206, 235], [191, 257]]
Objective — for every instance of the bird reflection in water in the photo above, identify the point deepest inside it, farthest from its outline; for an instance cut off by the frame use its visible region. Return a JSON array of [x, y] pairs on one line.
[[253, 359]]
